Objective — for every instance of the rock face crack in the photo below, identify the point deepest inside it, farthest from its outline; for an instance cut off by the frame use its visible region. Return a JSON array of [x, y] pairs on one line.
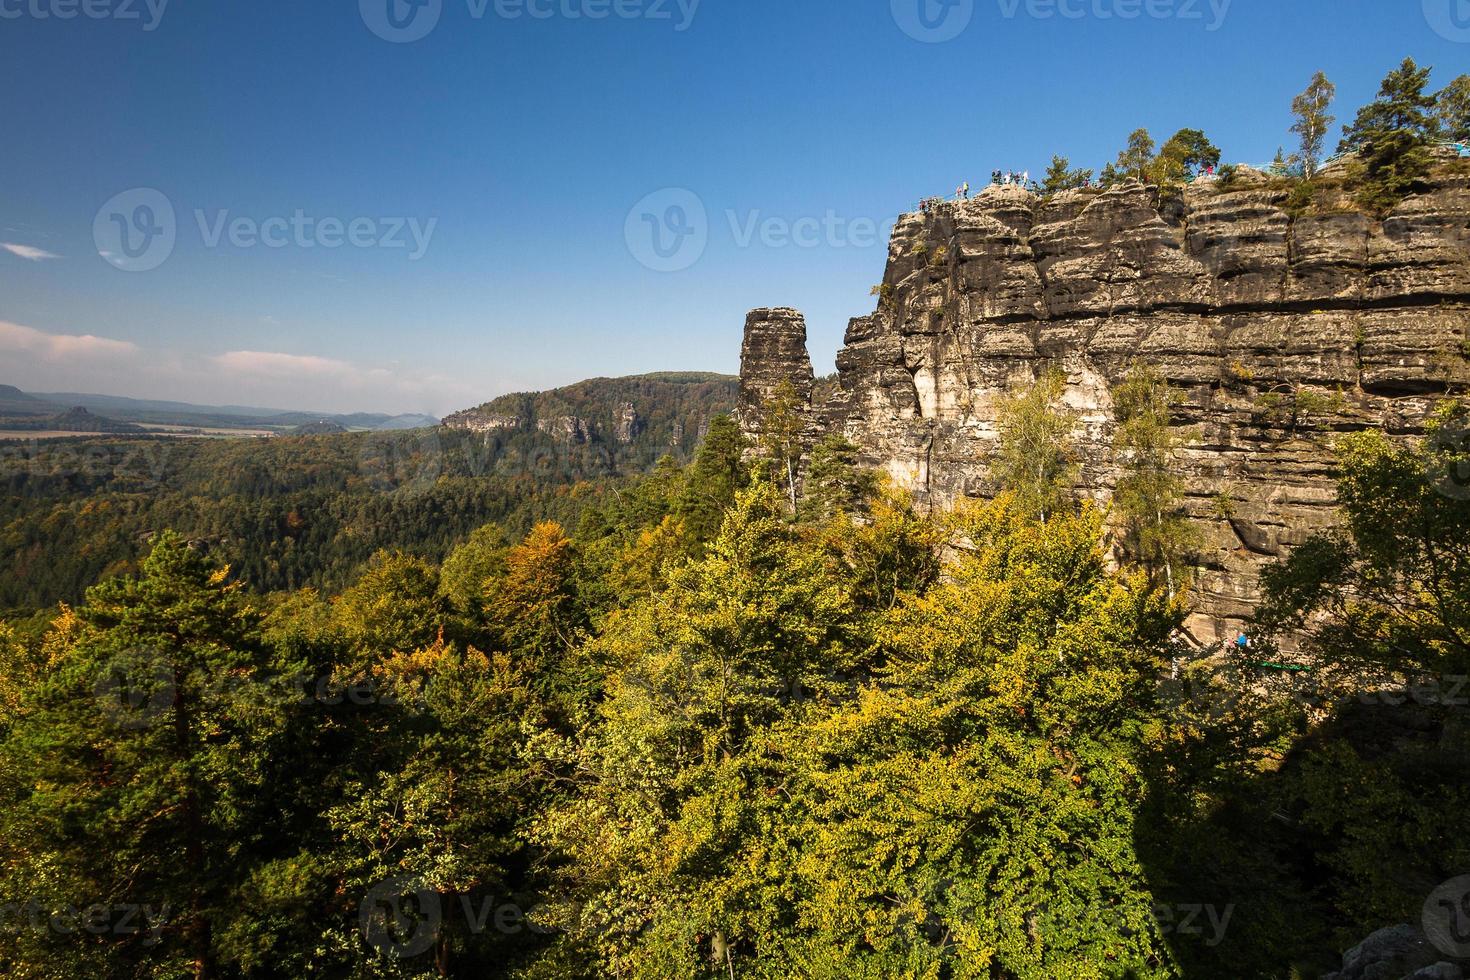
[[1276, 332]]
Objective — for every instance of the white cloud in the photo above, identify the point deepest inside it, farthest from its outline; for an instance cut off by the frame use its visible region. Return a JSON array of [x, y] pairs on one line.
[[288, 377], [29, 252], [274, 364], [41, 361], [57, 347]]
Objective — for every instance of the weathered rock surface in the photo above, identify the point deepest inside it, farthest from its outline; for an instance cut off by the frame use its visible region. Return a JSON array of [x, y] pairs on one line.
[[1278, 332], [624, 425], [773, 354], [1396, 953]]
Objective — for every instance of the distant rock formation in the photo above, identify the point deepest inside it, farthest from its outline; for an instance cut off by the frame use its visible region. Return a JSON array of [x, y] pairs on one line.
[[1277, 331], [627, 422]]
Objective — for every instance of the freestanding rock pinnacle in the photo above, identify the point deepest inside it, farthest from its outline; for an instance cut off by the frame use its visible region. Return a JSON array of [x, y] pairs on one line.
[[774, 353]]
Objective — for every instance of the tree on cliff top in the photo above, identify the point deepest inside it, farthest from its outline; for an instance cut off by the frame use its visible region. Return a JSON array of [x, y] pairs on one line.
[[1133, 163], [1060, 177], [1454, 110], [1391, 134], [1313, 121], [1187, 153]]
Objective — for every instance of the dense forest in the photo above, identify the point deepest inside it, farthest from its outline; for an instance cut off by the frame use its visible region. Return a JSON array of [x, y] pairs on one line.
[[292, 512], [492, 701], [702, 733]]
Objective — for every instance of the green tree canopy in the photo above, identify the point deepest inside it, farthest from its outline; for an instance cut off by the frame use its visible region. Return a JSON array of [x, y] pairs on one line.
[[1313, 121]]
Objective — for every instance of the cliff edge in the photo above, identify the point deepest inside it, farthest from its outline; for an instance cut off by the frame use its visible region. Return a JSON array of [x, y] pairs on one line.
[[1278, 329]]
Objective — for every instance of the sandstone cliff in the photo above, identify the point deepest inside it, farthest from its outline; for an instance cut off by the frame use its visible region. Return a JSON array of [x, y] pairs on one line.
[[626, 423], [1277, 330]]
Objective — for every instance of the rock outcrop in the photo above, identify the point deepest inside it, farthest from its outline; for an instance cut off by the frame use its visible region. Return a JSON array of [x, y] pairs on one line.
[[1277, 331], [772, 355], [604, 425]]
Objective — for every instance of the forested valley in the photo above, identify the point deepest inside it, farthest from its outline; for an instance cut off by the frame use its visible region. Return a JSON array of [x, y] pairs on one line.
[[716, 722]]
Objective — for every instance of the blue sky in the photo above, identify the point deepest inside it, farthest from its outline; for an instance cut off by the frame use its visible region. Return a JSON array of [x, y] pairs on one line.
[[518, 147]]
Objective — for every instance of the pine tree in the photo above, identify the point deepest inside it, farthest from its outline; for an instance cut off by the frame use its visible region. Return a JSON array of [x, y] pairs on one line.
[[1313, 122], [1453, 110], [835, 483], [675, 836], [1187, 153], [142, 752], [1060, 177], [718, 473], [1391, 134]]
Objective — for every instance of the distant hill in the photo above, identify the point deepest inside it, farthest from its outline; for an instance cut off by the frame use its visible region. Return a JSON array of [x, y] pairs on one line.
[[323, 427], [629, 422], [72, 420], [14, 402]]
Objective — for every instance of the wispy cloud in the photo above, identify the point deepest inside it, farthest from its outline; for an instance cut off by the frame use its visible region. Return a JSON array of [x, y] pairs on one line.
[[57, 346], [83, 362], [296, 365], [28, 252]]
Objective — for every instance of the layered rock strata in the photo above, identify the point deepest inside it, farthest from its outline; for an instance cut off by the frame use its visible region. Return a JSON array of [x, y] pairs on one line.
[[1277, 331]]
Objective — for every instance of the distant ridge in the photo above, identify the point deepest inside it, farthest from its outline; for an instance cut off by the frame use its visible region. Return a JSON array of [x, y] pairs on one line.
[[15, 402], [632, 421]]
